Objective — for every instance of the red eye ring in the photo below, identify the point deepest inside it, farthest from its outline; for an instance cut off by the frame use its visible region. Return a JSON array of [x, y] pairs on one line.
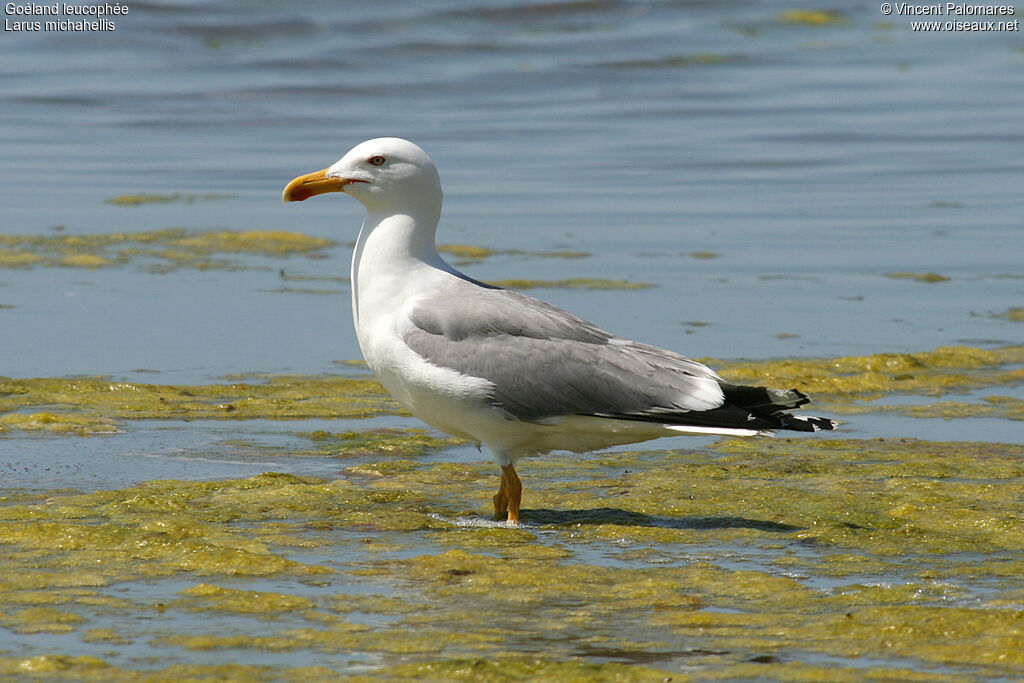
[[376, 161]]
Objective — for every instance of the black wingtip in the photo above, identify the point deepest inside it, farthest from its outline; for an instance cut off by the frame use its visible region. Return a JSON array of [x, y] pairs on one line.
[[746, 408], [770, 405], [806, 423]]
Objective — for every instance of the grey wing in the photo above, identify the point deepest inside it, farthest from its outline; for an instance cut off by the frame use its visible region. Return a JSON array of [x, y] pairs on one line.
[[545, 362]]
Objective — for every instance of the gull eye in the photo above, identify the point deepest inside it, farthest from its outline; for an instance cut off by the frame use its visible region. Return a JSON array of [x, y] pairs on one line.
[[377, 160]]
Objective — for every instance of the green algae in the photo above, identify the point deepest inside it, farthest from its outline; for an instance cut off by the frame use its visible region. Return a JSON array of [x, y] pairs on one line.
[[41, 620], [932, 373], [644, 668], [494, 538], [927, 278], [342, 637], [472, 252], [572, 283], [398, 442], [158, 529], [925, 516], [1015, 314], [530, 581], [89, 669], [84, 261], [139, 199], [522, 668], [812, 17], [382, 469], [157, 251], [1001, 407], [765, 559], [209, 597], [51, 664], [263, 242], [105, 635], [88, 404], [466, 251], [988, 640], [18, 258], [881, 495], [58, 423]]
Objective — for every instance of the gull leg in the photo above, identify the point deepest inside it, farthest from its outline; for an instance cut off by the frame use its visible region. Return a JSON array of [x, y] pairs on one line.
[[501, 497], [514, 490]]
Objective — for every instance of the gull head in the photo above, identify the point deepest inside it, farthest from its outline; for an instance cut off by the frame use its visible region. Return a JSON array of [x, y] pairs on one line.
[[388, 175]]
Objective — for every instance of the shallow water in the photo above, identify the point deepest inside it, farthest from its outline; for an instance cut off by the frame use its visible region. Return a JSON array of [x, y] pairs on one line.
[[811, 159], [792, 185]]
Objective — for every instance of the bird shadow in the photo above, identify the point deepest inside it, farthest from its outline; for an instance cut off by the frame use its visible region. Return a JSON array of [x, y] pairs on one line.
[[608, 515]]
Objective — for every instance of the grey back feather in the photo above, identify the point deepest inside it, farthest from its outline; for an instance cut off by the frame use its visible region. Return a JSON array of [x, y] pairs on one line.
[[545, 362]]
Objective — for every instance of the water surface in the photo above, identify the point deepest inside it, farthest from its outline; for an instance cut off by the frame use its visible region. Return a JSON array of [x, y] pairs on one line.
[[793, 184]]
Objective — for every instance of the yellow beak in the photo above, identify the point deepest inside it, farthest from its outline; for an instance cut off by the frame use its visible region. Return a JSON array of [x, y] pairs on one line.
[[305, 186]]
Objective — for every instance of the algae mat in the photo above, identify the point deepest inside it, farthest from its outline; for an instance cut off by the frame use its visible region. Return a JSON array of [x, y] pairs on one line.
[[158, 251], [840, 559]]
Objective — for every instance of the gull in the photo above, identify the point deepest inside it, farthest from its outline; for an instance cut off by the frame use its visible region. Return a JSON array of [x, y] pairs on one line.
[[498, 367]]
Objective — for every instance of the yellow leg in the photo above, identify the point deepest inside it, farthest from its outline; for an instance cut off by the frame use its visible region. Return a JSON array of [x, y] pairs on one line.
[[514, 491], [501, 498]]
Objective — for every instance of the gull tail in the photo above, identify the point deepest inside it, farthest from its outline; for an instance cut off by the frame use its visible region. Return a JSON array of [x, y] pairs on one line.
[[767, 407], [745, 411], [751, 411]]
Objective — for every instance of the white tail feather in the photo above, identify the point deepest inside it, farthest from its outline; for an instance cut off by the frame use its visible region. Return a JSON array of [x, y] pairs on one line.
[[722, 431]]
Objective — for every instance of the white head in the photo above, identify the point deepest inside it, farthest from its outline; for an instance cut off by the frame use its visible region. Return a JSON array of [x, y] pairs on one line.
[[388, 175]]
